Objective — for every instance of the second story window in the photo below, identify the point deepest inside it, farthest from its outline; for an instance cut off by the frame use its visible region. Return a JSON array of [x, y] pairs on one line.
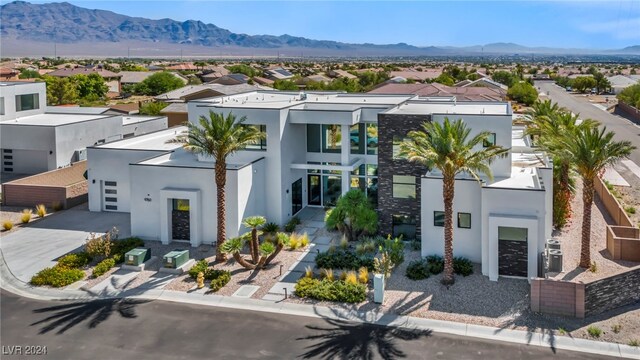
[[262, 143], [490, 140], [404, 187], [27, 102]]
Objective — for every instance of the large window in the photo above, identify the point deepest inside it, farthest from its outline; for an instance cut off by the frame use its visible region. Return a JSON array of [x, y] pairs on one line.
[[365, 178], [404, 225], [363, 138], [490, 140], [27, 102], [404, 187], [262, 143], [329, 186]]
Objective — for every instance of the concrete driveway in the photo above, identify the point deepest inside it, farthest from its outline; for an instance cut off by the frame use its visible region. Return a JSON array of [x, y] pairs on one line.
[[32, 248]]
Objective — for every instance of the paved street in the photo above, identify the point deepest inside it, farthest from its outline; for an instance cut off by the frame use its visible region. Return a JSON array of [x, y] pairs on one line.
[[624, 129], [159, 330]]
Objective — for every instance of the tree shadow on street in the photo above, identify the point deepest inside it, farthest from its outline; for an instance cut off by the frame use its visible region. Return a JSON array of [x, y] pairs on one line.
[[343, 339], [64, 317]]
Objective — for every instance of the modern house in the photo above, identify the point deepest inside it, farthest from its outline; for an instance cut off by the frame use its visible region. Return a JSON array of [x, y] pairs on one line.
[[318, 146], [36, 138]]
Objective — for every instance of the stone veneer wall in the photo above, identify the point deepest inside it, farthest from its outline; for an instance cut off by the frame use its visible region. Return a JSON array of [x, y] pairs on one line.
[[612, 292], [180, 225], [390, 125]]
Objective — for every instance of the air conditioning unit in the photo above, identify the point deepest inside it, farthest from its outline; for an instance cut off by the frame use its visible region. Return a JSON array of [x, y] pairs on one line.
[[552, 244], [555, 260]]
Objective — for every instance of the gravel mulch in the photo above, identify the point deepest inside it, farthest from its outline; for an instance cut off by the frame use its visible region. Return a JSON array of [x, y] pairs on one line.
[[571, 236], [264, 278]]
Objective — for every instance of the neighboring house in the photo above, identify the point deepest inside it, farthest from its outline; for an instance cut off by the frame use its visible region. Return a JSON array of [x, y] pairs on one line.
[[465, 93], [111, 79], [136, 77], [263, 81], [231, 79], [318, 78], [177, 113], [488, 83], [132, 108], [8, 74], [621, 82], [318, 146], [341, 73], [278, 74], [36, 138], [211, 73], [416, 75]]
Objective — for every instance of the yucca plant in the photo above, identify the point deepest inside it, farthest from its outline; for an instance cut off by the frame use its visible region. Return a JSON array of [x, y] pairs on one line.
[[261, 254], [41, 210], [26, 215]]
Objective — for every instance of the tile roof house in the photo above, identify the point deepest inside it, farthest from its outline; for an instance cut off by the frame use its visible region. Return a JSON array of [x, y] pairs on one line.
[[278, 74], [112, 79], [7, 74], [136, 77], [468, 93], [341, 73], [232, 79]]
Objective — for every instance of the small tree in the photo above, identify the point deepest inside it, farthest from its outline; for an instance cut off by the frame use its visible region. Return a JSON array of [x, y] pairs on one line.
[[523, 92], [60, 91], [90, 87], [152, 108], [353, 215], [158, 83]]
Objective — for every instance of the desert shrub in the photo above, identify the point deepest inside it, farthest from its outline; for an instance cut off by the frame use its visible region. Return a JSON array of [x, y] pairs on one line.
[[219, 278], [7, 225], [56, 206], [327, 274], [41, 210], [100, 246], [200, 267], [343, 275], [304, 240], [308, 272], [418, 270], [270, 228], [291, 225], [366, 246], [415, 245], [75, 260], [616, 328], [327, 290], [462, 266], [634, 342], [57, 276], [593, 267], [630, 209], [351, 278], [594, 331], [25, 217], [363, 275], [435, 264], [343, 259], [395, 250], [294, 242], [102, 267]]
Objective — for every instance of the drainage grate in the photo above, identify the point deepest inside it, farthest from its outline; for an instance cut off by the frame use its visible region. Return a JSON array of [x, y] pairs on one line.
[[245, 291]]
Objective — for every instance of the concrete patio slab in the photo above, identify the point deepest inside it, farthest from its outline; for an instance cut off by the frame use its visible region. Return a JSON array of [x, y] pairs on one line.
[[291, 277], [322, 240], [318, 224], [279, 287], [309, 230], [308, 256], [301, 266]]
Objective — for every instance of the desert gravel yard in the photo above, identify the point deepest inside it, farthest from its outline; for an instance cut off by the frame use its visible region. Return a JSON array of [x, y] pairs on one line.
[[570, 238]]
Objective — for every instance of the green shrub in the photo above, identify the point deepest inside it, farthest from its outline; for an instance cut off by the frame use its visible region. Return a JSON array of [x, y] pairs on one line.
[[219, 278], [7, 225], [123, 246], [327, 290], [75, 260], [270, 228], [200, 267], [418, 270], [98, 246], [462, 266], [435, 264], [395, 250], [630, 210], [57, 276], [415, 245], [102, 267], [343, 259], [594, 331], [366, 246]]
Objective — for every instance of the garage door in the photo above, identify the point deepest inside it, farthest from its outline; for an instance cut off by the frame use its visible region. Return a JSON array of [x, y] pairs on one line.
[[110, 196], [512, 251]]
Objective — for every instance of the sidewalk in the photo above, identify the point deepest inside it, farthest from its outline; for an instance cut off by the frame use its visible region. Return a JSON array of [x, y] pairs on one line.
[[10, 283]]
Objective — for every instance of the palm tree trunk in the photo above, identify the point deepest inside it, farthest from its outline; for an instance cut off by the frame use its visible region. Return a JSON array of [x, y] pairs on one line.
[[587, 200], [255, 255], [221, 181], [244, 263], [448, 186]]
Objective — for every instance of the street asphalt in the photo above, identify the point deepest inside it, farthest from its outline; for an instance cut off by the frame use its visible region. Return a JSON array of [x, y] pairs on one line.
[[624, 129], [136, 329]]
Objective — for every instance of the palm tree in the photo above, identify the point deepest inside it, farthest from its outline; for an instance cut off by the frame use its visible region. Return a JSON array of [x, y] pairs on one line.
[[219, 136], [593, 149], [551, 128], [253, 223], [448, 148], [543, 108]]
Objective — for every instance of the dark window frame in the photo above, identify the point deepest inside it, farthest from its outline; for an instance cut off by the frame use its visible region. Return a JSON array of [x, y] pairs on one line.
[[486, 143], [464, 227], [435, 217]]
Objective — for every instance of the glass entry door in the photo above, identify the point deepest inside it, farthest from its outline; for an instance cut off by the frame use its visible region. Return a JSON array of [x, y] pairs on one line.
[[315, 190], [296, 196]]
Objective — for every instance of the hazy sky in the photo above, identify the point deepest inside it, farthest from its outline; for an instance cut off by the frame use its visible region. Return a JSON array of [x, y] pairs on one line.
[[610, 24]]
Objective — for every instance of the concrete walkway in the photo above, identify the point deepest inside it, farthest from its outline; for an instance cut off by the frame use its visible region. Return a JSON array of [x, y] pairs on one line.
[[312, 223], [36, 246]]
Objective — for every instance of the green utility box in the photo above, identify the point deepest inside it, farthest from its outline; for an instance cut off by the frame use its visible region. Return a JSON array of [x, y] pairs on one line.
[[137, 257], [175, 258]]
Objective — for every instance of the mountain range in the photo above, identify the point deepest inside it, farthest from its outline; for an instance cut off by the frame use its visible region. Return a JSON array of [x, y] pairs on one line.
[[30, 30]]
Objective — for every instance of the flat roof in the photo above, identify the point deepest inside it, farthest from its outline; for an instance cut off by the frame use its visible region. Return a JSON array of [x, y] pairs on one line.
[[432, 106], [14, 83], [75, 110], [282, 99], [183, 158], [521, 178], [128, 120], [151, 141], [53, 119]]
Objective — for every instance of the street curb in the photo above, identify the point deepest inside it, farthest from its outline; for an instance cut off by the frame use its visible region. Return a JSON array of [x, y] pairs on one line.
[[549, 340]]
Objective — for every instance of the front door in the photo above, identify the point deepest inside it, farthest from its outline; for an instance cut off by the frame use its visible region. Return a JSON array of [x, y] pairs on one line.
[[180, 220], [512, 251], [296, 196], [315, 190]]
